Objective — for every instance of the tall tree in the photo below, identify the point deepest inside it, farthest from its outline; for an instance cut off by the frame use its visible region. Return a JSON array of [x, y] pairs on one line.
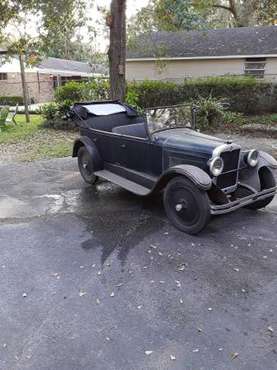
[[241, 13], [56, 20], [165, 15], [116, 21]]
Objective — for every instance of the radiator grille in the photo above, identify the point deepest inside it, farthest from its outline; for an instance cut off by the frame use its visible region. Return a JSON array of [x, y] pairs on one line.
[[230, 160], [226, 180], [230, 171]]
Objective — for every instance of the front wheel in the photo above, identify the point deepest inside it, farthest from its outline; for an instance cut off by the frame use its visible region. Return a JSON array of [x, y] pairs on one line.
[[85, 165], [186, 206]]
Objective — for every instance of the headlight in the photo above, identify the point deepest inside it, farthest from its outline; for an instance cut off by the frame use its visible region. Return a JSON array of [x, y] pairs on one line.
[[252, 158], [216, 166]]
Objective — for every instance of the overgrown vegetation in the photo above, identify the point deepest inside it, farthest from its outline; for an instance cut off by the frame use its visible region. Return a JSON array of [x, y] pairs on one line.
[[244, 95], [11, 100]]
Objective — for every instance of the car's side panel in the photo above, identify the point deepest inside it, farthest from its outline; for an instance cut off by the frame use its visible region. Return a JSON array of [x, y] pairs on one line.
[[134, 153]]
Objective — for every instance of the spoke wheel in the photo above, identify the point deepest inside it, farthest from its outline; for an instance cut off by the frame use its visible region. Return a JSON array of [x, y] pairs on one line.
[[186, 206], [85, 164]]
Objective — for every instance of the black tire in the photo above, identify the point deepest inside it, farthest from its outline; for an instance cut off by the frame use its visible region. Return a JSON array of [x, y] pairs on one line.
[[85, 165], [186, 206]]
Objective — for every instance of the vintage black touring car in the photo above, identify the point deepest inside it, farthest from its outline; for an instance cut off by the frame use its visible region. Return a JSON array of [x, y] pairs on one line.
[[199, 175]]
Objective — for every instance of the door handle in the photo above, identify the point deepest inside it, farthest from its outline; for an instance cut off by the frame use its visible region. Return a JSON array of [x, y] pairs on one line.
[[94, 139], [123, 146]]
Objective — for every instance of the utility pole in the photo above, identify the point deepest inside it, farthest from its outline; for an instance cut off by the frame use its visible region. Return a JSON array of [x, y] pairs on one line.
[[24, 87]]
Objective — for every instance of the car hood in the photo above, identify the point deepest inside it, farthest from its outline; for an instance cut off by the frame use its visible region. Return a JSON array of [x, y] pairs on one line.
[[185, 146], [185, 139]]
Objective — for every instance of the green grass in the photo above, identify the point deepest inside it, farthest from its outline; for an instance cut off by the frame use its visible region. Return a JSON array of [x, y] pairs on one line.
[[13, 133], [31, 141]]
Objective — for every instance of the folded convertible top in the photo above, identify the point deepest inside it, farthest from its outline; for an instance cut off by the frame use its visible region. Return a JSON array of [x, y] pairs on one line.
[[102, 108]]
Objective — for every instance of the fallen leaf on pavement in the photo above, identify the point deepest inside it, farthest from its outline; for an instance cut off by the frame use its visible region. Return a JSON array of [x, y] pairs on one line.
[[234, 355], [148, 353], [82, 293]]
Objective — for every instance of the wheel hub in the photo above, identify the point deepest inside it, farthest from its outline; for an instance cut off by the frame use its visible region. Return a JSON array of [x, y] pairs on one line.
[[182, 204]]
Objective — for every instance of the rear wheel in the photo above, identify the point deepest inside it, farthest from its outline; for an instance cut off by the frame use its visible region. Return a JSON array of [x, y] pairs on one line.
[[85, 164], [186, 206]]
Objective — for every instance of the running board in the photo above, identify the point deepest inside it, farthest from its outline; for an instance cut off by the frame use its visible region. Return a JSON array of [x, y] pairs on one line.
[[123, 182]]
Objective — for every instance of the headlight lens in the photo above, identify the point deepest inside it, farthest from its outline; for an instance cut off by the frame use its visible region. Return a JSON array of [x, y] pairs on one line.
[[216, 166], [252, 158]]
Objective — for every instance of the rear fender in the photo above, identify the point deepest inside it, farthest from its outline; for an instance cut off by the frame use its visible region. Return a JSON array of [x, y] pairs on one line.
[[196, 175], [91, 148]]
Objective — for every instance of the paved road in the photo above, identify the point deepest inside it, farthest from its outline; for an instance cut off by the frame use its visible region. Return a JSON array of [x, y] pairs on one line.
[[93, 278]]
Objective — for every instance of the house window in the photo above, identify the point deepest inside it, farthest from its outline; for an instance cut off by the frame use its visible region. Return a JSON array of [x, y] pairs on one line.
[[3, 76], [254, 67]]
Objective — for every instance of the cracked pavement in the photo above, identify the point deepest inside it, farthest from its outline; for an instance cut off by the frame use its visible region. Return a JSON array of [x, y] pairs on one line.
[[92, 278]]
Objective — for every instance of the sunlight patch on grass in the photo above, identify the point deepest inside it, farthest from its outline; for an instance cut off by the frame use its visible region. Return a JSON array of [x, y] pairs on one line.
[[14, 133]]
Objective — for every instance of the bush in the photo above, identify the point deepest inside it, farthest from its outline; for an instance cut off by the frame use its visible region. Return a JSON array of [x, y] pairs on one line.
[[73, 92], [245, 94], [155, 93], [11, 100], [3, 116], [54, 116], [210, 112]]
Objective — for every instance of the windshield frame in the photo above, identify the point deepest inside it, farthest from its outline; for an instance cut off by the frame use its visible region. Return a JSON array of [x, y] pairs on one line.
[[192, 112]]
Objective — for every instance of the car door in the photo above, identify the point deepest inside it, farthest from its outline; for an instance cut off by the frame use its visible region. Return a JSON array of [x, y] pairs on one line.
[[133, 153], [141, 155], [108, 145]]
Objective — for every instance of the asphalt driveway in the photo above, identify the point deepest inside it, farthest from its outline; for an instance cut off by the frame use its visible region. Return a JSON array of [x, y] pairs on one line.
[[96, 278]]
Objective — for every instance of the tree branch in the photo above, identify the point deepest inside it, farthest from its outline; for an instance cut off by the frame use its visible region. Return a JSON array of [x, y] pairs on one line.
[[230, 8]]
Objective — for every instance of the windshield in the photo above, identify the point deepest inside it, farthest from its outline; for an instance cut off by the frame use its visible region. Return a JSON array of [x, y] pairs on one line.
[[165, 118]]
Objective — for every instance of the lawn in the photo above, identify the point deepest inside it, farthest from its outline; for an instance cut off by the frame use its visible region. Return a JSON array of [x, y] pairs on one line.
[[14, 133], [30, 141]]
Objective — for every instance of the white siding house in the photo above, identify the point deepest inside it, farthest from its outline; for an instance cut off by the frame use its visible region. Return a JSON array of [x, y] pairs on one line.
[[179, 55]]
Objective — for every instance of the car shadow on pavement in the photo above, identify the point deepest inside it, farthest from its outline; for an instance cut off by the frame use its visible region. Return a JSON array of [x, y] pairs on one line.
[[122, 222]]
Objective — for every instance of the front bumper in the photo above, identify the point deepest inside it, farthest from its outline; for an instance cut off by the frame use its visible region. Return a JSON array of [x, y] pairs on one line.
[[242, 202]]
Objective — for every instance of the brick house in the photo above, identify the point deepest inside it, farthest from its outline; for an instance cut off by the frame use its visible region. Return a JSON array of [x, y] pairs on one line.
[[45, 77]]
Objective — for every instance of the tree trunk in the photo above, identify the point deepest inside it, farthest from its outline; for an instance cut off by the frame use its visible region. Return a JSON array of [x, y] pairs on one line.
[[24, 87], [117, 51]]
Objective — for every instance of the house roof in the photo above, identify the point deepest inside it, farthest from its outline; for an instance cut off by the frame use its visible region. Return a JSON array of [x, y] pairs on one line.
[[232, 42], [56, 66], [64, 65]]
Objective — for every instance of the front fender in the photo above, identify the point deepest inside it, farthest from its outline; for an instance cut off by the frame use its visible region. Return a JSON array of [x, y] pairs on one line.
[[267, 160], [91, 148], [196, 175]]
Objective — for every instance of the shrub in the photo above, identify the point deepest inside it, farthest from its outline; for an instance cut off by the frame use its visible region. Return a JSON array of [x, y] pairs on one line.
[[155, 93], [11, 100], [97, 89], [3, 116], [210, 112], [54, 116], [245, 94], [72, 91]]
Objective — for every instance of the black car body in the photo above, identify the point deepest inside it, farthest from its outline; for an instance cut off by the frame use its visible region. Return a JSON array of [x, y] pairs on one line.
[[202, 175]]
